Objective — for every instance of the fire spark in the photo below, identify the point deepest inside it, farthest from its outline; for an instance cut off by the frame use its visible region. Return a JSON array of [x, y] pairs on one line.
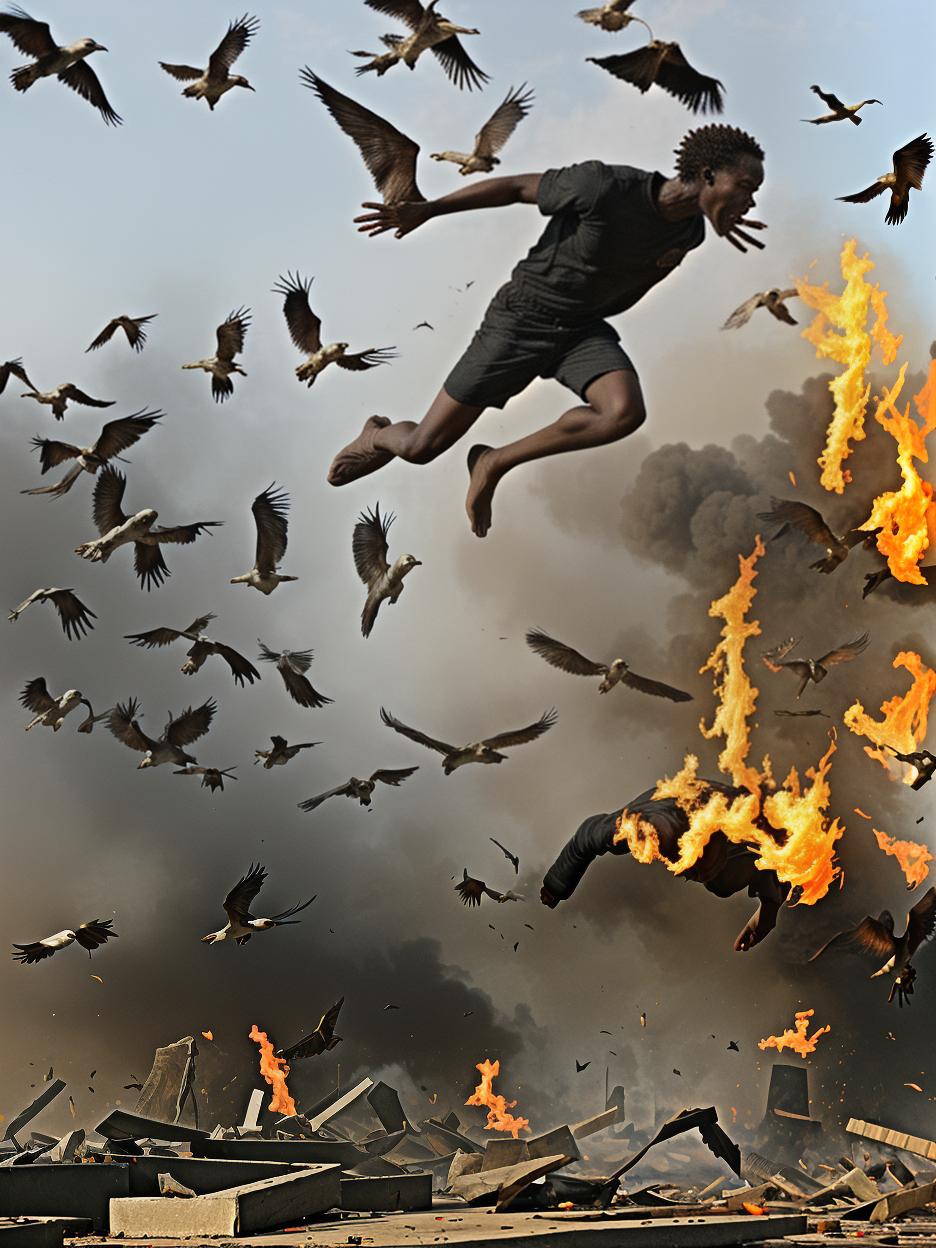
[[499, 1118], [904, 721], [796, 1038], [912, 857], [274, 1070]]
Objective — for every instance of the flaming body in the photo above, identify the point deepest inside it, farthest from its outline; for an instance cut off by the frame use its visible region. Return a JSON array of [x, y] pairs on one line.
[[274, 1070], [499, 1118], [904, 721]]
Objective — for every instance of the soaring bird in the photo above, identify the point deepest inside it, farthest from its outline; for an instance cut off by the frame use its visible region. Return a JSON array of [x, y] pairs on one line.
[[132, 327], [513, 858], [493, 134], [118, 529], [923, 760], [471, 891], [292, 666], [360, 789], [74, 615], [67, 63], [317, 1041], [281, 753], [116, 436], [558, 654], [431, 32], [484, 751], [51, 712], [773, 300], [383, 579], [874, 579], [241, 924], [612, 16], [88, 935], [910, 163], [876, 936], [212, 777], [814, 670], [388, 154], [59, 398], [840, 111], [222, 366], [269, 513], [180, 730], [665, 65], [213, 82], [202, 648], [13, 368], [305, 329], [789, 513]]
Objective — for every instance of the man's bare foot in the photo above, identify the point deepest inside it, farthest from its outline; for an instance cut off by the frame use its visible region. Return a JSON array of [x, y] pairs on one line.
[[759, 925], [481, 487], [361, 456]]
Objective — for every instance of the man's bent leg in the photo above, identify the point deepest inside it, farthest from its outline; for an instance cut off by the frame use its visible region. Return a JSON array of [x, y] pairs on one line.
[[613, 409]]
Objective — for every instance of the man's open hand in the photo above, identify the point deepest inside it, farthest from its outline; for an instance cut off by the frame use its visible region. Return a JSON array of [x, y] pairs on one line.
[[401, 218], [738, 238]]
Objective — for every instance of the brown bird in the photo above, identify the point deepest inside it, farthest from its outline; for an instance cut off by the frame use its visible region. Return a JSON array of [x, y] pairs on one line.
[[360, 789], [874, 579], [840, 111], [180, 730], [116, 436], [270, 519], [211, 83], [201, 650], [212, 777], [910, 163], [558, 654], [292, 666], [388, 154], [132, 327], [484, 751], [814, 670], [59, 398], [493, 134], [305, 329], [222, 366], [612, 16], [791, 514], [317, 1041], [67, 63], [383, 579], [74, 615], [431, 33], [281, 753], [664, 65], [772, 300], [13, 368], [876, 936], [471, 891]]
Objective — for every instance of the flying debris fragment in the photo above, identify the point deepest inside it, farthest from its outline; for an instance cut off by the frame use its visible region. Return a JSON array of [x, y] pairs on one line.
[[512, 858]]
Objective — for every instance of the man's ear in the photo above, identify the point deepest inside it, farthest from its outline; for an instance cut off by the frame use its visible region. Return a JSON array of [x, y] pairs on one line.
[[708, 177]]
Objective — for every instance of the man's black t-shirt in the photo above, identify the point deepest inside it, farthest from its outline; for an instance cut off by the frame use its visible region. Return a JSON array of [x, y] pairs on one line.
[[606, 244]]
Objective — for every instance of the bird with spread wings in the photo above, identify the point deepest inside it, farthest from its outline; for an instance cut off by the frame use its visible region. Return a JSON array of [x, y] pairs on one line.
[[559, 655], [132, 327], [493, 134], [282, 752], [292, 665], [814, 670], [50, 712], [270, 520], [60, 397], [486, 750], [305, 329], [317, 1041], [241, 923], [361, 789], [222, 366], [116, 436], [790, 513], [201, 650], [74, 615], [88, 935], [383, 579], [773, 300], [431, 32], [13, 368], [840, 111], [664, 65], [181, 730], [611, 17], [471, 891], [212, 777], [211, 83], [909, 166]]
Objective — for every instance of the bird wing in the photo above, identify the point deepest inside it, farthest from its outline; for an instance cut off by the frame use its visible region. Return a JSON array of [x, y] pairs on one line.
[[155, 637], [503, 121], [230, 334], [414, 734], [369, 545], [388, 154], [149, 565], [237, 903], [870, 936], [105, 335], [778, 652], [191, 724], [269, 513], [123, 725], [863, 197], [921, 922], [300, 688], [779, 309], [119, 435], [514, 858], [842, 654], [655, 687], [13, 368], [72, 612], [238, 35], [558, 654], [36, 951], [342, 790], [471, 891], [392, 776], [184, 73], [828, 98], [803, 517], [305, 328], [36, 697], [285, 914], [744, 311], [329, 1019], [242, 669], [52, 453], [698, 92], [108, 496], [458, 65], [910, 161], [29, 36], [90, 935], [72, 392], [82, 78], [409, 11], [358, 361], [133, 328], [522, 735], [183, 534]]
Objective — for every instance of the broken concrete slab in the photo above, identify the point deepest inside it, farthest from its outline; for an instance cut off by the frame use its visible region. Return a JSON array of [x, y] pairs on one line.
[[502, 1152], [302, 1152], [33, 1109], [67, 1146], [385, 1102], [506, 1183], [895, 1139], [597, 1122], [464, 1163], [908, 1198], [120, 1125], [170, 1083], [168, 1186], [376, 1166], [251, 1121], [69, 1189], [202, 1175], [386, 1193], [251, 1209], [559, 1140], [443, 1140], [40, 1232], [335, 1107]]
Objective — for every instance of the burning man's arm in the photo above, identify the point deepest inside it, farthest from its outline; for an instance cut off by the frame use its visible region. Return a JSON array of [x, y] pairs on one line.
[[594, 837], [521, 188]]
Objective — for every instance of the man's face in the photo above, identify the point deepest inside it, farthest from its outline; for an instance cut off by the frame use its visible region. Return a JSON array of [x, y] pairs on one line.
[[731, 195]]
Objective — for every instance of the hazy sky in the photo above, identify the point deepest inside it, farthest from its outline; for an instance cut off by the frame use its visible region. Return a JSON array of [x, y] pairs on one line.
[[190, 214]]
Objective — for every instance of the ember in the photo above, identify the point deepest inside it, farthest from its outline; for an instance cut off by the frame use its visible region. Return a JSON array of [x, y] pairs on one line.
[[912, 857], [796, 1037], [904, 721], [274, 1070], [484, 1096]]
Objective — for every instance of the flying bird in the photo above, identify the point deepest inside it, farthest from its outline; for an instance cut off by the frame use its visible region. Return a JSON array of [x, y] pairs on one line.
[[118, 529], [67, 62], [211, 83], [13, 368], [773, 300], [222, 366], [924, 762], [132, 327], [612, 16], [292, 666], [421, 325], [59, 398], [790, 514], [388, 154], [305, 329], [317, 1041], [281, 753], [212, 777], [202, 649], [88, 935], [580, 1066], [493, 134], [876, 936], [116, 436], [875, 579], [384, 581], [664, 65], [484, 751], [514, 858], [558, 654], [180, 730], [840, 111], [733, 1047], [814, 670], [241, 924], [74, 615], [471, 891], [360, 789], [910, 163], [430, 33], [50, 712], [269, 512]]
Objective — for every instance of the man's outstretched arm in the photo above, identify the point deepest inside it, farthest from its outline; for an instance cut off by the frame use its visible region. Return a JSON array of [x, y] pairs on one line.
[[594, 837], [494, 193]]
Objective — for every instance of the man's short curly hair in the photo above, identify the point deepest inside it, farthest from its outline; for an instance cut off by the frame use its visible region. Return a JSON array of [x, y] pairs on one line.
[[713, 147]]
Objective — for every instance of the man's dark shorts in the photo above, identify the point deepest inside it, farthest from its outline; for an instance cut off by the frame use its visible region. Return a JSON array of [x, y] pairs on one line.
[[518, 341]]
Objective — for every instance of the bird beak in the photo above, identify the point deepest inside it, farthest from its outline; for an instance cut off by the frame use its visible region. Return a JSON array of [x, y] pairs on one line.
[[206, 940], [417, 563], [250, 88], [99, 47]]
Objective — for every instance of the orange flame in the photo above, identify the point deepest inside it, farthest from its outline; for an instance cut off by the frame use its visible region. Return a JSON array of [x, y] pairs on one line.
[[905, 718], [792, 475], [484, 1096], [274, 1070], [209, 1034], [756, 1211], [839, 333], [912, 857], [796, 1038], [859, 811]]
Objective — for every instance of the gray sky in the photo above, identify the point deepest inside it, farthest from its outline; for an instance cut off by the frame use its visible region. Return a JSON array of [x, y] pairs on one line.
[[189, 214]]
